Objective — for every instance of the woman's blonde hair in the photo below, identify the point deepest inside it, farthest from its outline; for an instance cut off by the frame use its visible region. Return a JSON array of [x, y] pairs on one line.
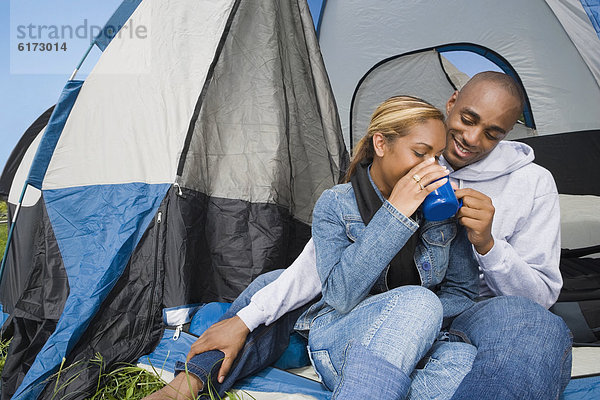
[[393, 118]]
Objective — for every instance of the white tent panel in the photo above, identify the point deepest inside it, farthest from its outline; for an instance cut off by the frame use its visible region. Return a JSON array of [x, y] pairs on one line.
[[32, 195], [146, 110], [577, 24], [355, 35], [580, 221]]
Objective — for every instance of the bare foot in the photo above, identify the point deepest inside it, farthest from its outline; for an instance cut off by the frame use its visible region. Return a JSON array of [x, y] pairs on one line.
[[183, 387]]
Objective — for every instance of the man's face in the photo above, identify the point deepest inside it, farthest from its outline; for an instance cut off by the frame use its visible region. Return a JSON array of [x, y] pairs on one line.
[[478, 118]]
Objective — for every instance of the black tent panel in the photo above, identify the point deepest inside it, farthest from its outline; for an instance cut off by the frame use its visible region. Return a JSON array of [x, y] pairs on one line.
[[27, 236], [572, 158], [38, 308], [19, 151], [216, 247]]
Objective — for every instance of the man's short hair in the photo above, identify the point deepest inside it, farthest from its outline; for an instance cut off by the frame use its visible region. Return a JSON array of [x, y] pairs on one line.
[[501, 79]]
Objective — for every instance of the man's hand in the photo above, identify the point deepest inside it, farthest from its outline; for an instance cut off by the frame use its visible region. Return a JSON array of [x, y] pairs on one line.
[[476, 215], [229, 336]]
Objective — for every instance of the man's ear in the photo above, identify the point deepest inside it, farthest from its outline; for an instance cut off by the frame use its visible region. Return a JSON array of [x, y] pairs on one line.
[[379, 144], [451, 101]]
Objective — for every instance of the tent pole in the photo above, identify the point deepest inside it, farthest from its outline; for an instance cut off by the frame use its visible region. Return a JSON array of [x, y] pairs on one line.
[[82, 60], [14, 221], [12, 228]]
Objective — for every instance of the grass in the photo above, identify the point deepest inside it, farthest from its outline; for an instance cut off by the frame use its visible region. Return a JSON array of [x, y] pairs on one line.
[[128, 382], [125, 382], [3, 228], [3, 351]]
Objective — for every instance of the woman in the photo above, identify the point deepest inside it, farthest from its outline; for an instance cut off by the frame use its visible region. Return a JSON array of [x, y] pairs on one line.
[[365, 339], [373, 323]]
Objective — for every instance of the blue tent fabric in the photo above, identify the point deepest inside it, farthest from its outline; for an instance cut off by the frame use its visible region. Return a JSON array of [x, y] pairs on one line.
[[53, 131], [97, 228], [115, 23], [582, 389], [592, 8], [317, 7], [3, 316], [169, 351]]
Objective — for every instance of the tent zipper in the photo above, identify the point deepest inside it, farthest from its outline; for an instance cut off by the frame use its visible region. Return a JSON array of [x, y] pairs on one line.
[[146, 329], [178, 330]]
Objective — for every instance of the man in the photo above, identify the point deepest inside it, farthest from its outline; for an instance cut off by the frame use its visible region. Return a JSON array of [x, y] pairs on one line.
[[511, 213]]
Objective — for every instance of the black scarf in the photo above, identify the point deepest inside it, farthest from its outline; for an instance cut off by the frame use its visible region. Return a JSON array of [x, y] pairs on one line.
[[402, 269]]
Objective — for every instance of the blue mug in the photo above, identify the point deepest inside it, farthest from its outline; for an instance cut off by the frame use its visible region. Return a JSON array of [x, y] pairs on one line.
[[441, 203]]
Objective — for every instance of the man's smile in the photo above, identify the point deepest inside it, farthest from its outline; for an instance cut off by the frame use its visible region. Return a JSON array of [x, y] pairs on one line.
[[460, 150]]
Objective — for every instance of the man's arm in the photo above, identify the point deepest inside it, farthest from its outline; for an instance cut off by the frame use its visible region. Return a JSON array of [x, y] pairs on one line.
[[296, 286], [526, 263]]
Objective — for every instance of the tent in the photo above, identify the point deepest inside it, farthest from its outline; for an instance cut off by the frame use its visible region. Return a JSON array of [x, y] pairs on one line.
[[185, 165], [551, 47], [178, 177]]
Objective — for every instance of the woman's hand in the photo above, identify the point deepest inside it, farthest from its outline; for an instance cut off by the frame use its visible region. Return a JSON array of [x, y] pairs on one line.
[[228, 336], [410, 191]]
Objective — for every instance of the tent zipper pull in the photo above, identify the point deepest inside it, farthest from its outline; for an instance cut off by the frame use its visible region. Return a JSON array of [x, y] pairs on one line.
[[177, 333], [179, 191], [159, 217]]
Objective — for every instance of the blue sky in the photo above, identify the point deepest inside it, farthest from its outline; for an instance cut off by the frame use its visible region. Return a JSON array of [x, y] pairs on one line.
[[36, 80], [32, 81]]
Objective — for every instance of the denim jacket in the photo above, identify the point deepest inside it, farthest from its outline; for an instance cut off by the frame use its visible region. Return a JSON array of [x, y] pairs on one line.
[[352, 257]]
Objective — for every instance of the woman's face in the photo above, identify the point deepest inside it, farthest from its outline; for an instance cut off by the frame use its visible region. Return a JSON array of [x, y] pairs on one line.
[[399, 156]]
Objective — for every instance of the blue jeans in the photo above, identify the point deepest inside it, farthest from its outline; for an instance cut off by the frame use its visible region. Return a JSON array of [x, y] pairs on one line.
[[446, 365], [264, 345], [523, 350], [371, 351]]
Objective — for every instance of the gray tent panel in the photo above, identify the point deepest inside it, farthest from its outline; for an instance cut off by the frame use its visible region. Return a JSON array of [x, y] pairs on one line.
[[399, 75], [267, 130]]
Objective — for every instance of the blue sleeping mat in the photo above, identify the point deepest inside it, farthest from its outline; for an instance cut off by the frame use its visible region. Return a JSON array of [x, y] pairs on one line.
[[583, 389]]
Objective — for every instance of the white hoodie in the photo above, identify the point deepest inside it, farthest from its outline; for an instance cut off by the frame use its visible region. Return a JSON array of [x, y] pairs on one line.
[[526, 227], [526, 230]]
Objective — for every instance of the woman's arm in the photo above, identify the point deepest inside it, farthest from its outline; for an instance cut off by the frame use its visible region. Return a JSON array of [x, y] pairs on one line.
[[347, 269]]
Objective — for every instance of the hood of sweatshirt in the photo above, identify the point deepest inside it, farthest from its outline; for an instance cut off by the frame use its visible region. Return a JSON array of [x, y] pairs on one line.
[[507, 157]]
